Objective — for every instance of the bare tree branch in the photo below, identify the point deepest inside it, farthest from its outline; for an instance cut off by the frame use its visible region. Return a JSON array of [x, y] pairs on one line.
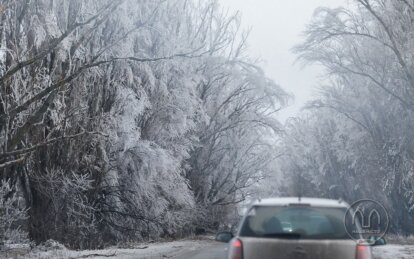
[[47, 142], [12, 162]]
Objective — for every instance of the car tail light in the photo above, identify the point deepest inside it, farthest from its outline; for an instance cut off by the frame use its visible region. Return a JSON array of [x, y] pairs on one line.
[[363, 252], [236, 249]]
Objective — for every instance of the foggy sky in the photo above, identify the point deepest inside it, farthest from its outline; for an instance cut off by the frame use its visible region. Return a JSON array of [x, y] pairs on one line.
[[276, 27]]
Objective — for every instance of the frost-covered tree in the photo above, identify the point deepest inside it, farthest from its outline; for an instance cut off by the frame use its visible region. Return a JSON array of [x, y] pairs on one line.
[[356, 138], [236, 145], [12, 214], [105, 116]]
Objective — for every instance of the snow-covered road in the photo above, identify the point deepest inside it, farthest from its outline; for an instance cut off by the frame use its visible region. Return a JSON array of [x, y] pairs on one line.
[[186, 249], [216, 251], [394, 252], [197, 249]]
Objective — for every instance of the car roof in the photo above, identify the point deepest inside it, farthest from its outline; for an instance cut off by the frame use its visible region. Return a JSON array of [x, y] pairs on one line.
[[315, 202]]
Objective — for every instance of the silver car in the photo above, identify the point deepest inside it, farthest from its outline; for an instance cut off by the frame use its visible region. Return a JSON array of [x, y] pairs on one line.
[[297, 228]]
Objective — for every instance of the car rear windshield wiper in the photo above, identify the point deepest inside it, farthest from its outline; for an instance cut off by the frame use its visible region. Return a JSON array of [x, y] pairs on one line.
[[283, 235]]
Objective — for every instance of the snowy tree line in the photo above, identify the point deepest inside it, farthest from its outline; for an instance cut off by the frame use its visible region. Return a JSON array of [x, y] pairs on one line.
[[125, 120], [356, 140]]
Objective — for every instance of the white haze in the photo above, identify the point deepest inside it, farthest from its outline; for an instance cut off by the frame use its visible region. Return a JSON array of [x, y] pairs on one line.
[[276, 26]]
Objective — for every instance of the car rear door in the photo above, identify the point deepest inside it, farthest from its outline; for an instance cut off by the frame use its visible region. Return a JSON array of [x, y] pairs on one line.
[[272, 248]]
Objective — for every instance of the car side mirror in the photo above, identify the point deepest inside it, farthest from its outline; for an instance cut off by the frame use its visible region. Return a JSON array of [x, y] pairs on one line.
[[224, 236], [377, 241]]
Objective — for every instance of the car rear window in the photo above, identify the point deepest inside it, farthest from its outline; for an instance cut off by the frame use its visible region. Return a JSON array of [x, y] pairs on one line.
[[295, 222]]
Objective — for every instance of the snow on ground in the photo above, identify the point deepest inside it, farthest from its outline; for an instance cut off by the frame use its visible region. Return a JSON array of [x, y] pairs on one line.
[[394, 252], [143, 251]]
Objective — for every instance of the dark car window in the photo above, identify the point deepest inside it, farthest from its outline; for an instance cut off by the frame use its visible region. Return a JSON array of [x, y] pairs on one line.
[[296, 222]]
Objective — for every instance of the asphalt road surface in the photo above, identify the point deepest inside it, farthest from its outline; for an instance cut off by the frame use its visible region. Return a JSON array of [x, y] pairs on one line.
[[216, 251]]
